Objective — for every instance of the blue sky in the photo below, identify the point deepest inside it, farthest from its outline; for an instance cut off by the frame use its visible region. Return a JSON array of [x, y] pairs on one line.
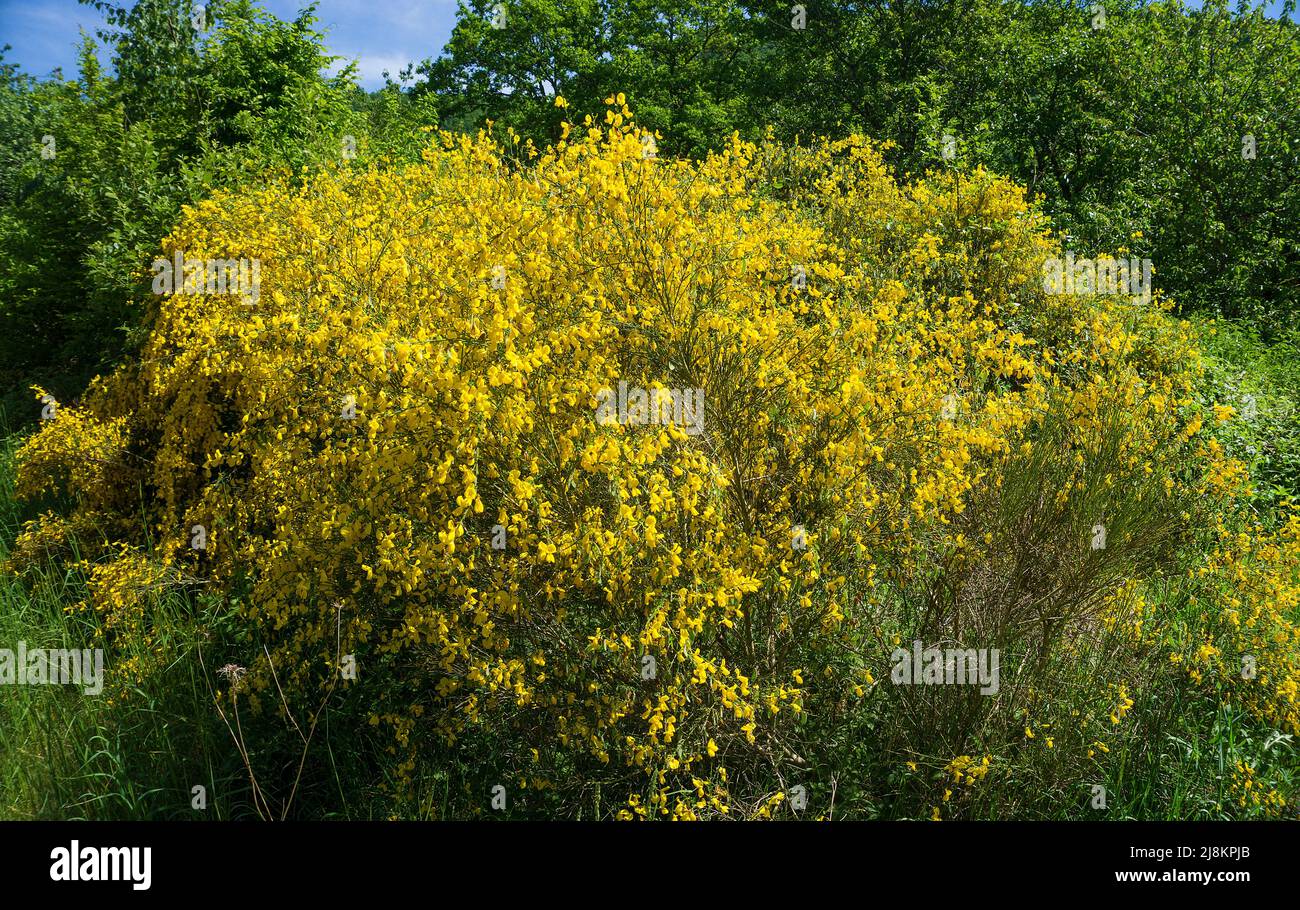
[[378, 34]]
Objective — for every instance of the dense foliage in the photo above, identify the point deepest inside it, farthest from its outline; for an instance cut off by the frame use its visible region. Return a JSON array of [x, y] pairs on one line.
[[187, 110], [1133, 119], [372, 541]]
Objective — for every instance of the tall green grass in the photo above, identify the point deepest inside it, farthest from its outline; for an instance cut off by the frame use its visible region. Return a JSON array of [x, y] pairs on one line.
[[68, 755]]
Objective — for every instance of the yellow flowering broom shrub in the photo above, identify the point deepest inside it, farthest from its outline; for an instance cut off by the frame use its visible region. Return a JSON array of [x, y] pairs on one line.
[[394, 458], [1249, 641]]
